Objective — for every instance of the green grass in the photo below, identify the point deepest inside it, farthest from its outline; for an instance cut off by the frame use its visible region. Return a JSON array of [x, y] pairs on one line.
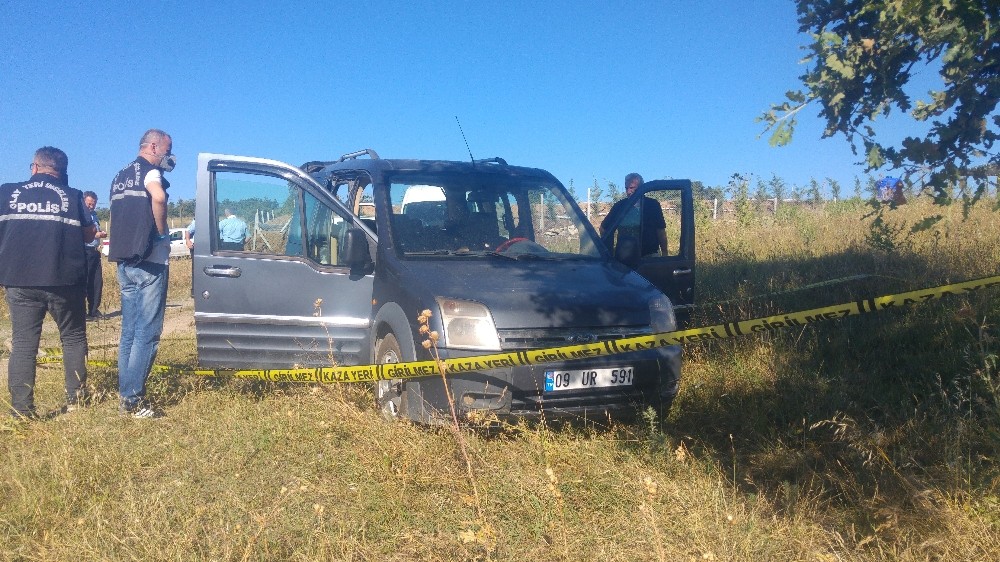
[[873, 438]]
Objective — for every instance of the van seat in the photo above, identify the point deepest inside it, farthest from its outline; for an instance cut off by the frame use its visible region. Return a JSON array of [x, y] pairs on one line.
[[407, 233]]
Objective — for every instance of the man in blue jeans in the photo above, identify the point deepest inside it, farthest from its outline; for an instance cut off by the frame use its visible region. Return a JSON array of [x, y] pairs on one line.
[[43, 228], [141, 247]]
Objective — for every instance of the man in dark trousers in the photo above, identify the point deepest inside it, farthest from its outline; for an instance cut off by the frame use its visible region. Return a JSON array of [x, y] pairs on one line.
[[43, 227], [95, 276], [140, 245]]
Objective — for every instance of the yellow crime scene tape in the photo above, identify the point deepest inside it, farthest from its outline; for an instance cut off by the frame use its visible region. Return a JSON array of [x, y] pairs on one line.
[[478, 363]]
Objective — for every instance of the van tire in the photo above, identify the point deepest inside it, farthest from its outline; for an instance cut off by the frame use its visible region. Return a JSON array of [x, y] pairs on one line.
[[390, 395]]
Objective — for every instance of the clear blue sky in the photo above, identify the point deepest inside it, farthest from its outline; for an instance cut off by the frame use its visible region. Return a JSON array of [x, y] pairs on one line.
[[586, 90]]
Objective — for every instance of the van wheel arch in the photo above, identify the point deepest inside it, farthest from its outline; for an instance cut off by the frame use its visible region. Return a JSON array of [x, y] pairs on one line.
[[392, 339], [391, 319]]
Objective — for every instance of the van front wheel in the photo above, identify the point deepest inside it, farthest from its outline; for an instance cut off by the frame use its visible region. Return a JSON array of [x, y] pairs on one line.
[[389, 393]]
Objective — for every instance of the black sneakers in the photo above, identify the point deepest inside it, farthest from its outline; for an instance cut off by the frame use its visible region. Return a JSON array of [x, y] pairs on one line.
[[76, 401], [24, 416]]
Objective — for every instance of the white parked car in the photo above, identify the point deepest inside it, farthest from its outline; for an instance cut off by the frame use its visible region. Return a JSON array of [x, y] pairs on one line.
[[177, 247]]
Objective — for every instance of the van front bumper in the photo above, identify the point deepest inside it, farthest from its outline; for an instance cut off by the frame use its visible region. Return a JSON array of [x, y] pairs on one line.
[[519, 392]]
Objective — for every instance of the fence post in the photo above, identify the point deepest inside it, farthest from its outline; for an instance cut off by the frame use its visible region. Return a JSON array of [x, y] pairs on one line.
[[256, 228]]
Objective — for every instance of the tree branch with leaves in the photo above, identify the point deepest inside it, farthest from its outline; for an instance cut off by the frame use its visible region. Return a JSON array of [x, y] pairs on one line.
[[863, 56]]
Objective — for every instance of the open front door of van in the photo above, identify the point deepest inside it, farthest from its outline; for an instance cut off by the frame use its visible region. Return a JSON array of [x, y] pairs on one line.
[[630, 231], [282, 271]]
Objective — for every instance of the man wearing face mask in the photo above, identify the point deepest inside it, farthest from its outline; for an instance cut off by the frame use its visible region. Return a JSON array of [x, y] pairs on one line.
[[140, 245]]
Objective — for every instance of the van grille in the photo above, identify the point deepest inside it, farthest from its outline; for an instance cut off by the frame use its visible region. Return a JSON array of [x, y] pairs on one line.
[[555, 337]]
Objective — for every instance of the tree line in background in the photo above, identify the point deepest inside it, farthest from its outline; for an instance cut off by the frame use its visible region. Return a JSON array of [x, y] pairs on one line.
[[741, 187], [184, 208], [752, 187]]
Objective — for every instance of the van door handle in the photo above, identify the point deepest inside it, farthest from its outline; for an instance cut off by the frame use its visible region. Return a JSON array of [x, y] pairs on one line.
[[679, 272], [223, 271]]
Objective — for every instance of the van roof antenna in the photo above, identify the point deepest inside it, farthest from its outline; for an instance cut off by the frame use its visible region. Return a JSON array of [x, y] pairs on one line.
[[471, 157]]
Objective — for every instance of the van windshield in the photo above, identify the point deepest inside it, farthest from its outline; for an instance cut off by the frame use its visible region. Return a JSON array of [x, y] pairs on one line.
[[463, 215]]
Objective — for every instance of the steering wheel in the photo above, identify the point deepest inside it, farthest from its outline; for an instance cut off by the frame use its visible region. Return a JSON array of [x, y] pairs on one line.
[[510, 243]]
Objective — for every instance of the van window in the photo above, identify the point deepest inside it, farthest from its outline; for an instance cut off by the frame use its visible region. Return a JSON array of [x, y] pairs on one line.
[[324, 231], [425, 203], [260, 206], [281, 217], [453, 214]]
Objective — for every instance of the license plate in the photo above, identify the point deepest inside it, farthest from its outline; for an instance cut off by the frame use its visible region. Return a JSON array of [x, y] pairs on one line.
[[556, 381]]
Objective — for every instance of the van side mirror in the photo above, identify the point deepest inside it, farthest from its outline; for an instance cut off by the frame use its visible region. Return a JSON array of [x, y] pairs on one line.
[[354, 250]]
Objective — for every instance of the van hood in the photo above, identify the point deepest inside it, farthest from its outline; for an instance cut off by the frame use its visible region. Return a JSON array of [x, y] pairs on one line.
[[540, 293]]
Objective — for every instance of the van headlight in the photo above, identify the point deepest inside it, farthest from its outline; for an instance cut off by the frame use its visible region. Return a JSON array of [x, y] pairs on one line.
[[468, 325], [661, 315]]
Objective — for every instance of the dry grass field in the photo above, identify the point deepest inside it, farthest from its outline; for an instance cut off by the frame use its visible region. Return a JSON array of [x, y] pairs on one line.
[[870, 438]]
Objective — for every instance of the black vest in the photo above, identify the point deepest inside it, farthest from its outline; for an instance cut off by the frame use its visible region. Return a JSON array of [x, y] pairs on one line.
[[132, 225], [41, 234]]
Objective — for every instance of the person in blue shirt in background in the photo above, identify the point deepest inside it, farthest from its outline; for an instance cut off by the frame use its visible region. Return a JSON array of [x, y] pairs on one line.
[[189, 237], [233, 232]]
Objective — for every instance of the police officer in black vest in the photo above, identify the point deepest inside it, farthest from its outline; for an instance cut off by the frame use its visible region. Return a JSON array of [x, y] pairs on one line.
[[140, 245], [43, 228]]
